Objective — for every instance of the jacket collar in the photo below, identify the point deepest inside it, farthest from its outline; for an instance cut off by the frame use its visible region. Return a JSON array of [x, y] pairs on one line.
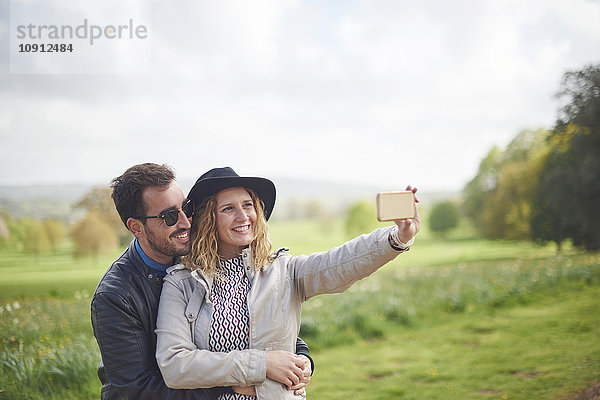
[[157, 267], [248, 260], [141, 267], [200, 276]]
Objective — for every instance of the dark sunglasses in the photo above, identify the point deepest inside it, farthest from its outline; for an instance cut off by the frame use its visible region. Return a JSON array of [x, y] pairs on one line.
[[171, 217]]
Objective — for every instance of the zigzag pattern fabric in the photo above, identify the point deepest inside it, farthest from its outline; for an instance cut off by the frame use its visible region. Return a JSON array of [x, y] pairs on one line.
[[230, 322]]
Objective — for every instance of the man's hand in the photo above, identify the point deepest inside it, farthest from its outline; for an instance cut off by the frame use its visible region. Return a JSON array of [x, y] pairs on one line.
[[285, 367], [305, 379], [245, 390]]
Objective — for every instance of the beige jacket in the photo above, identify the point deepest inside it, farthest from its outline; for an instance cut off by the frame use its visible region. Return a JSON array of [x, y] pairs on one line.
[[274, 305]]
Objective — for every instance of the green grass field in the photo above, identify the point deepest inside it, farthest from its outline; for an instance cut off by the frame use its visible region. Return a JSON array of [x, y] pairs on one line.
[[461, 318]]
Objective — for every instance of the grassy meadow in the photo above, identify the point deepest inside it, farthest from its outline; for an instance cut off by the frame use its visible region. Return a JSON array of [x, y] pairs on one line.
[[459, 318]]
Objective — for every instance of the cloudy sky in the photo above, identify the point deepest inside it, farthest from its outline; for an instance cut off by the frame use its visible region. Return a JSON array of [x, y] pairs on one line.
[[384, 93]]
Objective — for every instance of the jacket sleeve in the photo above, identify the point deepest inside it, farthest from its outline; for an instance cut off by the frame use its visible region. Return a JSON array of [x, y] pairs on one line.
[[185, 366], [302, 349], [128, 353], [336, 270]]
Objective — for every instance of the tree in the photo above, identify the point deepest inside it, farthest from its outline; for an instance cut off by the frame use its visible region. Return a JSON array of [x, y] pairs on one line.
[[569, 190], [476, 192], [549, 205], [559, 211], [14, 235], [93, 236], [507, 212], [98, 201], [35, 240], [56, 232], [498, 199], [582, 91], [443, 217], [525, 145], [4, 233], [361, 218], [16, 231]]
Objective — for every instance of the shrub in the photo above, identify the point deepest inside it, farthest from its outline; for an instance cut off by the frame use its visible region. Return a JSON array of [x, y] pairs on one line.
[[443, 218]]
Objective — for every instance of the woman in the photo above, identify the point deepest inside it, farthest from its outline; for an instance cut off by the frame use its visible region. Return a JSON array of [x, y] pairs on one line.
[[230, 313]]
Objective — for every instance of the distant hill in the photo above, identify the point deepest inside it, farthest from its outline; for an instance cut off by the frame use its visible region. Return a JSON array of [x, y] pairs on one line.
[[295, 196], [45, 201], [41, 201]]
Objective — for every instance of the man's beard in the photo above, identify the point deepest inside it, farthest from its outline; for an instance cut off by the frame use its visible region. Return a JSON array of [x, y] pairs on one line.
[[165, 246]]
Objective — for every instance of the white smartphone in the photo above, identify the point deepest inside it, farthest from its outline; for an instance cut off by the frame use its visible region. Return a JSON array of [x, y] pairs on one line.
[[395, 205]]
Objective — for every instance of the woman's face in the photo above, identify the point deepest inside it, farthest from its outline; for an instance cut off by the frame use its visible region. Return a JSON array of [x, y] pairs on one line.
[[235, 219]]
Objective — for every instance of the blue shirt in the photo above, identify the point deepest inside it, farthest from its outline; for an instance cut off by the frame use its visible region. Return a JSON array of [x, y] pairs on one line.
[[150, 263]]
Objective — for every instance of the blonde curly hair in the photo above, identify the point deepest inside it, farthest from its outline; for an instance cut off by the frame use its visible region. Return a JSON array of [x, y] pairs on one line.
[[204, 254]]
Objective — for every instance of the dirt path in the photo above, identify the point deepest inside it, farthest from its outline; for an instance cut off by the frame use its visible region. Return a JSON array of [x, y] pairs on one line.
[[592, 393]]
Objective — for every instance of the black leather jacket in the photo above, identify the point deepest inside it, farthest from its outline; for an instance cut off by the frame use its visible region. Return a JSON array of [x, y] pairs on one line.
[[124, 310]]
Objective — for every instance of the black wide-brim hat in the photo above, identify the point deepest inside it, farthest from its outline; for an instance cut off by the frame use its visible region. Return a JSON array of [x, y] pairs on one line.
[[217, 179]]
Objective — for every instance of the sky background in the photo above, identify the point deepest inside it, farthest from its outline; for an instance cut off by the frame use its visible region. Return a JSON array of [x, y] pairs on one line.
[[382, 93]]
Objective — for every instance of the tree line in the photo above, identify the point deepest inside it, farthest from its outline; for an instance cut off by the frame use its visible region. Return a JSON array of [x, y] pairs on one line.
[[99, 231], [545, 186]]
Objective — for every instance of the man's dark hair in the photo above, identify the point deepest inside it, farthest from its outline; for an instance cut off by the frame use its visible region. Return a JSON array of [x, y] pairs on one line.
[[128, 189]]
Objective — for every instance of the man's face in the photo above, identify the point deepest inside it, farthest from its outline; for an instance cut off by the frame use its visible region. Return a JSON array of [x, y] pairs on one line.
[[159, 241]]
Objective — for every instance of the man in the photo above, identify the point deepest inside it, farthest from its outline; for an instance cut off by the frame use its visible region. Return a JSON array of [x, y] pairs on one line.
[[125, 304]]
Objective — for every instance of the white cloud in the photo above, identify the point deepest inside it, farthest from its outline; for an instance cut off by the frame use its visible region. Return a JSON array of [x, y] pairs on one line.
[[363, 91]]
